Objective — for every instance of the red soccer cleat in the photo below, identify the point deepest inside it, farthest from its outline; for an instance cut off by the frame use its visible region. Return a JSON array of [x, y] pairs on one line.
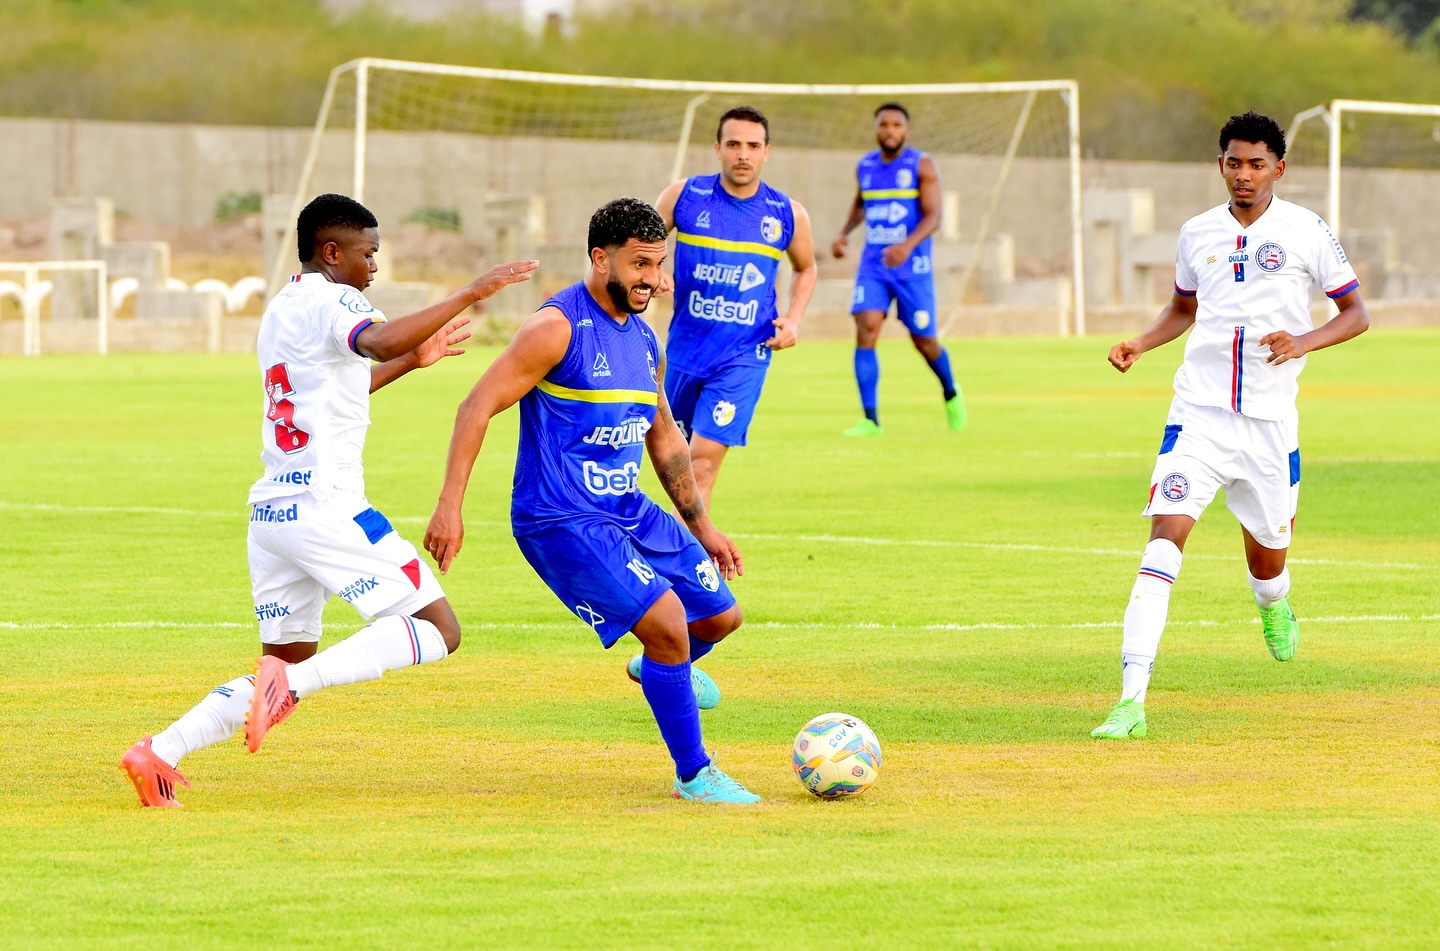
[[154, 778], [271, 703]]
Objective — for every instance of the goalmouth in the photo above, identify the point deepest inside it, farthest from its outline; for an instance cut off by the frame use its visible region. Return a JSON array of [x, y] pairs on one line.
[[519, 159]]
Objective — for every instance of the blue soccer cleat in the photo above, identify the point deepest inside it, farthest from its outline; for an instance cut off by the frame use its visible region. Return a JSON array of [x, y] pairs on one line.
[[711, 785], [707, 695]]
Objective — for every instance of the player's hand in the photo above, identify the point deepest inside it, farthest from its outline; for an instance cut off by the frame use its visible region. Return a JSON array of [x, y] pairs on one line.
[[500, 276], [443, 343], [1124, 354], [894, 255], [444, 535], [839, 246], [785, 334], [1283, 347], [666, 285], [722, 551]]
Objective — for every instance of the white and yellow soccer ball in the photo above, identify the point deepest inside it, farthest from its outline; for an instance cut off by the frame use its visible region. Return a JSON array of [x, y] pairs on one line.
[[836, 755]]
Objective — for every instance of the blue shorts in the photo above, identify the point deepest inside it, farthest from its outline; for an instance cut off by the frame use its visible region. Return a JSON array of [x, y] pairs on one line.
[[719, 406], [914, 299], [610, 576]]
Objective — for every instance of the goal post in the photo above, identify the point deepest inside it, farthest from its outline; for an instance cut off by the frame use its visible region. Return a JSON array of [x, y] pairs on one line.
[[1381, 164], [477, 143]]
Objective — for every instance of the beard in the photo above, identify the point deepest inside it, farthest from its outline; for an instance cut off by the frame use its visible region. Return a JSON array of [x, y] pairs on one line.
[[620, 297]]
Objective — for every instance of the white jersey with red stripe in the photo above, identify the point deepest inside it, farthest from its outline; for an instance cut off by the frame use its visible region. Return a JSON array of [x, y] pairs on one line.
[[1249, 282], [317, 389]]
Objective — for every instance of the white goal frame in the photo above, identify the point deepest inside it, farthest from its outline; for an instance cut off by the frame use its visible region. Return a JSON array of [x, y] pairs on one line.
[[358, 72], [1333, 116], [32, 291]]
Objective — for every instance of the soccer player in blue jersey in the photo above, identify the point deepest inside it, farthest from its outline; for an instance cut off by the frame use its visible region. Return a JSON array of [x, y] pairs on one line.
[[731, 230], [898, 199], [587, 373]]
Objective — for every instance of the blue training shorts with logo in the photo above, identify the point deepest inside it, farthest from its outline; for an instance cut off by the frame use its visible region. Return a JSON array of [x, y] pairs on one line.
[[719, 406], [609, 576], [914, 299]]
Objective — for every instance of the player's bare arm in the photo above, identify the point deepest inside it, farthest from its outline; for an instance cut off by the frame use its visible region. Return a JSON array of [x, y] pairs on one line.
[[930, 204], [1352, 320], [445, 342], [538, 346], [665, 205], [802, 260], [670, 455], [857, 215], [398, 338], [1177, 317]]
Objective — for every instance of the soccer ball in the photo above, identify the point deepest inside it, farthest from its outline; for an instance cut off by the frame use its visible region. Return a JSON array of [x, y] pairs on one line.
[[836, 755]]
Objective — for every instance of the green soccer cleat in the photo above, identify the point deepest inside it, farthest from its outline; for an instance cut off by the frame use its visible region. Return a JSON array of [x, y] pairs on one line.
[[955, 414], [1282, 631], [1125, 722], [707, 694], [865, 427], [711, 785]]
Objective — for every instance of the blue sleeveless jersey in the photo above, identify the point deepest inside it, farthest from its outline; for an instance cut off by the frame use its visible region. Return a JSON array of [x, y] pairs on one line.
[[727, 253], [891, 193], [582, 428]]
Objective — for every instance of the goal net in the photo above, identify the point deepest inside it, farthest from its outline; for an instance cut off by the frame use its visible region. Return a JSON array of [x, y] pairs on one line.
[[518, 161], [1373, 170]]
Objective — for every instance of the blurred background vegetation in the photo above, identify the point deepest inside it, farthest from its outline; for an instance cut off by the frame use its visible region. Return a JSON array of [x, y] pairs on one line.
[[1156, 76]]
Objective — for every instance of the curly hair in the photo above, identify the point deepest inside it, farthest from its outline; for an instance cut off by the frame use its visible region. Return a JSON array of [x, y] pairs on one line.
[[327, 212], [1253, 127], [616, 222]]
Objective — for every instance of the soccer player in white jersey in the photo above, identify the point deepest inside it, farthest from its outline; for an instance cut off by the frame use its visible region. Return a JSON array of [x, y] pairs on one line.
[[312, 532], [1244, 276]]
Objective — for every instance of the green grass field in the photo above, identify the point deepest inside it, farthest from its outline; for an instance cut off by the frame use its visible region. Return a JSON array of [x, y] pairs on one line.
[[962, 594]]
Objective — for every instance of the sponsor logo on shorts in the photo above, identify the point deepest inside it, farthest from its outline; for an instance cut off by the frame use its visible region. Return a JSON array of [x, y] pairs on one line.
[[1270, 256], [721, 309], [628, 433], [358, 587], [1175, 487], [264, 612], [859, 297], [268, 513], [602, 481], [702, 220], [601, 367], [589, 615], [708, 577], [723, 413], [770, 228], [921, 319]]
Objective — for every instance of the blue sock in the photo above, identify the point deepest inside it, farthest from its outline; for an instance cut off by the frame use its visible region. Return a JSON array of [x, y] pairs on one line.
[[699, 648], [941, 368], [867, 376], [667, 689]]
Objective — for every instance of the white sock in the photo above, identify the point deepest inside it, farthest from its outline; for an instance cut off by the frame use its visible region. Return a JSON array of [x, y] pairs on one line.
[[1146, 613], [1269, 592], [210, 721], [387, 643]]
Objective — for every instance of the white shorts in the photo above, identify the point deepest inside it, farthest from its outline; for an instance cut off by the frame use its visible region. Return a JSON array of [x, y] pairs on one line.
[[1256, 462], [303, 550]]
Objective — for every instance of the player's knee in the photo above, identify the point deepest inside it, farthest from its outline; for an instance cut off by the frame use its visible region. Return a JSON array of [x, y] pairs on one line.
[[929, 347], [443, 617], [718, 626]]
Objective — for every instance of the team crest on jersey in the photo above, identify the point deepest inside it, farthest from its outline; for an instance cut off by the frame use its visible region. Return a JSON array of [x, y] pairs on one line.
[[1270, 256], [708, 577], [601, 367], [751, 277], [723, 414], [770, 228], [904, 178], [1175, 487], [921, 319], [355, 302], [702, 220]]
